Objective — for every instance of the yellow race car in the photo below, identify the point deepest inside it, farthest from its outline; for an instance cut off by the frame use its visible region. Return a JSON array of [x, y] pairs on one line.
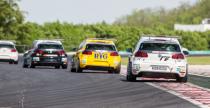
[[96, 54]]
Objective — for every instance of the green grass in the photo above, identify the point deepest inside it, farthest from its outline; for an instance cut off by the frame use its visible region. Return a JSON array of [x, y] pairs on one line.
[[201, 60]]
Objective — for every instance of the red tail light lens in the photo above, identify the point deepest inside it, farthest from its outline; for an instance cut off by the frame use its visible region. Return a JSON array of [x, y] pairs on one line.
[[141, 54], [87, 52], [114, 54], [13, 50], [37, 52], [178, 56], [61, 53]]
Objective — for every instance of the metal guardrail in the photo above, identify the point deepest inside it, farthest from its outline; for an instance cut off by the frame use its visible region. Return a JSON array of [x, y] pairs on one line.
[[199, 53]]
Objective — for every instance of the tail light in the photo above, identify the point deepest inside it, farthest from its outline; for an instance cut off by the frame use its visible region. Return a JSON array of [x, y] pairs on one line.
[[61, 53], [114, 54], [87, 52], [141, 54], [38, 52], [13, 50], [178, 56]]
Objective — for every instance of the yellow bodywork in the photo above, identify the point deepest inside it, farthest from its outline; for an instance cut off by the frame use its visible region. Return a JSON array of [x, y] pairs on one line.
[[98, 59]]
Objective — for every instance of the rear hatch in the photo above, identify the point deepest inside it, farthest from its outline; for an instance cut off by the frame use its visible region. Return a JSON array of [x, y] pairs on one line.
[[100, 52], [160, 55], [50, 52], [6, 49]]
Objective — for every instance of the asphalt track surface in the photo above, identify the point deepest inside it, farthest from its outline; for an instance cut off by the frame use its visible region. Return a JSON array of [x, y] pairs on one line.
[[46, 87]]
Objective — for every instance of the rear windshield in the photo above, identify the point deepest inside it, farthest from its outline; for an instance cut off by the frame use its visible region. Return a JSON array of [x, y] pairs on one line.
[[160, 47], [93, 47], [6, 46], [50, 46]]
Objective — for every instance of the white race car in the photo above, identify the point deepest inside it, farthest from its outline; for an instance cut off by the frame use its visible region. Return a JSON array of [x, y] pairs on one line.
[[8, 52], [158, 57]]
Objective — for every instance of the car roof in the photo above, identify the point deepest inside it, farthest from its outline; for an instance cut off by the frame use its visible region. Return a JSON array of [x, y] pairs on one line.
[[37, 42], [157, 39], [100, 41], [7, 42]]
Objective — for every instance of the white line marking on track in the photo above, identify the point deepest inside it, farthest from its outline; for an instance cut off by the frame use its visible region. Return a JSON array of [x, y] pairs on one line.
[[199, 75]]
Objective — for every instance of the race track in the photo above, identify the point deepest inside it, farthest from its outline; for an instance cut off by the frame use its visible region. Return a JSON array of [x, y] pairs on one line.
[[46, 87]]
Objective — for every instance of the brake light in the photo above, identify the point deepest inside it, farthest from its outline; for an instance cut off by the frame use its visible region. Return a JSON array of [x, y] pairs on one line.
[[87, 52], [141, 54], [178, 56], [61, 53], [13, 50], [114, 54], [38, 52]]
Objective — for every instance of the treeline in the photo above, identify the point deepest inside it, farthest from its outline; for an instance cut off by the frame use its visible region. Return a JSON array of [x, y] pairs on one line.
[[162, 18], [127, 36], [12, 26]]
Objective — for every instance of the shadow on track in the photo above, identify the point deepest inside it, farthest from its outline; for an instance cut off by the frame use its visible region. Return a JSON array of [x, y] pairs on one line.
[[159, 81]]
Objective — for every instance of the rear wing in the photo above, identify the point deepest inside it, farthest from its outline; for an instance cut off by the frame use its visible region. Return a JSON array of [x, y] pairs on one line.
[[106, 39], [8, 41], [36, 42], [101, 40], [160, 37]]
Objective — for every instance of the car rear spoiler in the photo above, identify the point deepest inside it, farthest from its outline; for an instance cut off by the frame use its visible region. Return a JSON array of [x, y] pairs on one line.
[[162, 36], [106, 39], [13, 41]]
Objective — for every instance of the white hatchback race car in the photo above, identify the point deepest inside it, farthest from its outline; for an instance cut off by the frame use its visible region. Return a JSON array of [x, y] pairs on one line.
[[8, 52], [158, 57]]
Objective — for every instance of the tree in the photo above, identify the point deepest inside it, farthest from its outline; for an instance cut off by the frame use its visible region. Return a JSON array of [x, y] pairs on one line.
[[10, 18]]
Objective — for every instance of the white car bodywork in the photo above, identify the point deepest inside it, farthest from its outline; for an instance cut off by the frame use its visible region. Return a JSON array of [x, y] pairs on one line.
[[8, 51], [153, 62]]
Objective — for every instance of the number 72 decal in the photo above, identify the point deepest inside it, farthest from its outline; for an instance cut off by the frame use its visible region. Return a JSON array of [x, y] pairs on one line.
[[164, 58]]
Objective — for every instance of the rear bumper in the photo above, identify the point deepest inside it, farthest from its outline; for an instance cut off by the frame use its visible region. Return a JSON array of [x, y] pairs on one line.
[[8, 58], [173, 70], [103, 68], [91, 62], [49, 61], [158, 75]]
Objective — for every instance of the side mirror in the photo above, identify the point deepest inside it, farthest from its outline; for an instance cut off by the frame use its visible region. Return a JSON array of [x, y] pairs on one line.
[[186, 52], [129, 50], [74, 49]]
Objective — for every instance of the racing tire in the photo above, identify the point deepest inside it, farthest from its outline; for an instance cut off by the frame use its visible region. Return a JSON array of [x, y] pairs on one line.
[[116, 71], [57, 67], [130, 77], [73, 69], [78, 69], [32, 66], [15, 62], [10, 62], [25, 65], [182, 79], [64, 66]]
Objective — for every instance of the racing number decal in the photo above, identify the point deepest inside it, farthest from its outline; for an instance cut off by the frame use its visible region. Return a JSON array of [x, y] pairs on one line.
[[100, 56], [164, 58]]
